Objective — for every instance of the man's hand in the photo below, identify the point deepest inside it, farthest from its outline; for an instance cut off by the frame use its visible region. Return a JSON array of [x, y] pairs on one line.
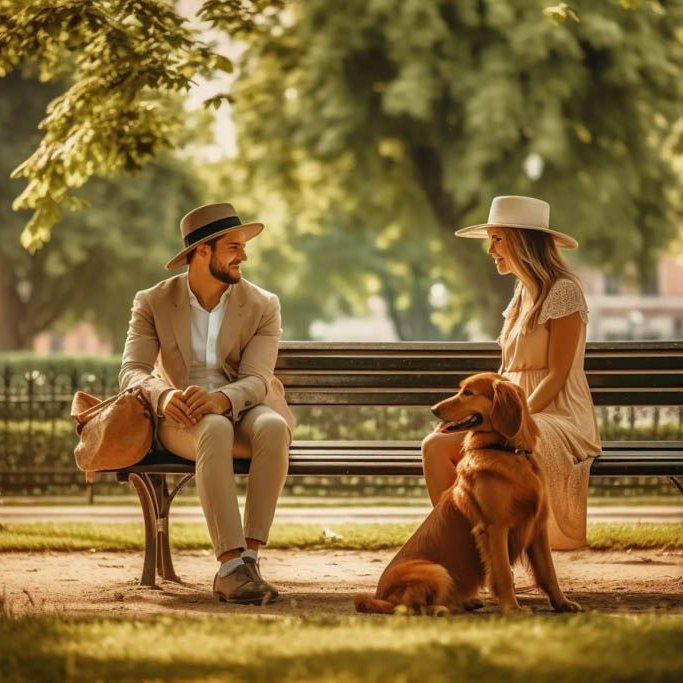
[[200, 402], [176, 408]]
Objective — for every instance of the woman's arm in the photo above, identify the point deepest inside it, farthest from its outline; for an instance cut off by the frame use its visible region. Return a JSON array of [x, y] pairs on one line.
[[564, 337]]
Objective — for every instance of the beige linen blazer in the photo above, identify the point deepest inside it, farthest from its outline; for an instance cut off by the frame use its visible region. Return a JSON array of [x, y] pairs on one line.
[[158, 350]]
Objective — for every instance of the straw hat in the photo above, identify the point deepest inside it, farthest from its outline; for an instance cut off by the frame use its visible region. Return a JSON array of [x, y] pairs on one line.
[[209, 221], [519, 212]]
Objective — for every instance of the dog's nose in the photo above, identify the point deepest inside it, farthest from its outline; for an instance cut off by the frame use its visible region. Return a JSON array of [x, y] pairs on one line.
[[435, 411]]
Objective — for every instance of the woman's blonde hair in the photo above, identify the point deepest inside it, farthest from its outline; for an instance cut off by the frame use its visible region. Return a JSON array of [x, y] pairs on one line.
[[535, 254]]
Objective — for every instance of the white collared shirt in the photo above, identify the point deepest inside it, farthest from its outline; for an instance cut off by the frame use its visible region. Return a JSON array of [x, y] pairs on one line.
[[205, 370]]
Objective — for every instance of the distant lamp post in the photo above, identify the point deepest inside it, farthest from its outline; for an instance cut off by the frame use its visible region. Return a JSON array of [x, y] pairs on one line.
[[438, 295], [24, 289], [533, 166], [636, 323]]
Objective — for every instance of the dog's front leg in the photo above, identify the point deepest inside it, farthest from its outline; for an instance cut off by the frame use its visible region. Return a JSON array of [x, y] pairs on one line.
[[541, 562], [492, 542]]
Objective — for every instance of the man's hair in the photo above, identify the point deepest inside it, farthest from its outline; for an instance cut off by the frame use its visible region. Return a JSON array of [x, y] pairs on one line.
[[211, 243]]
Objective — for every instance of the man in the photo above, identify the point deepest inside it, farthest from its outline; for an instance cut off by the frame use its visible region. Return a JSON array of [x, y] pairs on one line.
[[203, 346]]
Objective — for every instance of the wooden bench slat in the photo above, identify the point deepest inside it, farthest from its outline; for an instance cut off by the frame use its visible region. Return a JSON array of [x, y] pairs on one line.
[[330, 458], [660, 396], [449, 380], [603, 466], [465, 364], [383, 444], [375, 348]]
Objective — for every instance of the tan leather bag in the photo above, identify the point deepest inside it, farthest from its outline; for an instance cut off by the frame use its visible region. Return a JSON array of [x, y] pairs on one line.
[[114, 433]]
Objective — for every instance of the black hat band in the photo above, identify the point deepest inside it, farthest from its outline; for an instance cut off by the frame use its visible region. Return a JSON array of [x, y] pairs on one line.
[[210, 228]]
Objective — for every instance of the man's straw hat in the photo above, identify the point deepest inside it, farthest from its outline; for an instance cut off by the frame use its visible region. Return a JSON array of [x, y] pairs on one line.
[[209, 221]]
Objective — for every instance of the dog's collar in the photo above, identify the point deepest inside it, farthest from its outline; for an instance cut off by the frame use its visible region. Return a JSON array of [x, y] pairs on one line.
[[507, 447], [522, 451]]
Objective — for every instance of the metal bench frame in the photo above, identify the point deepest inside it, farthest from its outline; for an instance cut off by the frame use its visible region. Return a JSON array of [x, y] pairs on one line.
[[418, 374]]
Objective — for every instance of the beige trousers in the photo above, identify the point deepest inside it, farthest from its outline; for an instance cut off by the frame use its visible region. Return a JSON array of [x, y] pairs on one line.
[[261, 435]]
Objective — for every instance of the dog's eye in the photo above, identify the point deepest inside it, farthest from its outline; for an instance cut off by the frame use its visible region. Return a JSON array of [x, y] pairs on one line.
[[466, 392]]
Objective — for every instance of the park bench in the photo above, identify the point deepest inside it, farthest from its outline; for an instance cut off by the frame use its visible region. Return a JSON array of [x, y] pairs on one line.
[[624, 374]]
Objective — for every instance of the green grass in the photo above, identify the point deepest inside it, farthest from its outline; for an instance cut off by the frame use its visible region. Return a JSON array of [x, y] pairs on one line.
[[539, 648], [606, 536], [194, 536]]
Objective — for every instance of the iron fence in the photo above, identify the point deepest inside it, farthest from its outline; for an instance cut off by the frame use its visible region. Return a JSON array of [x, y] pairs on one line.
[[37, 436]]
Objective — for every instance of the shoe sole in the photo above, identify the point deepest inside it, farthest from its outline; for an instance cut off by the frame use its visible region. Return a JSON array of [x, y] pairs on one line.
[[265, 599]]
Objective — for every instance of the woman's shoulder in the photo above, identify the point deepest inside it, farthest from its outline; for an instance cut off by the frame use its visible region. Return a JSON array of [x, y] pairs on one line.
[[564, 298]]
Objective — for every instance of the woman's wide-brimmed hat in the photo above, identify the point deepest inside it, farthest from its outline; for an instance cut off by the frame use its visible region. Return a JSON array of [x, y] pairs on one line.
[[209, 221], [519, 212]]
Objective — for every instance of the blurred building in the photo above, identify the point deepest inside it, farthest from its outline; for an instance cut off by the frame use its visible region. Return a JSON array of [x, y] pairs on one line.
[[374, 327], [81, 338], [617, 311], [620, 311]]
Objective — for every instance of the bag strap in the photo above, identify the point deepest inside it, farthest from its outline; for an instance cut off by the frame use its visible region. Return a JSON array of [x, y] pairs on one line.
[[83, 417]]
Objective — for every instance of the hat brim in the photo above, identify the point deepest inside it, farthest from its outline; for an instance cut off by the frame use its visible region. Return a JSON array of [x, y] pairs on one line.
[[561, 239], [249, 230]]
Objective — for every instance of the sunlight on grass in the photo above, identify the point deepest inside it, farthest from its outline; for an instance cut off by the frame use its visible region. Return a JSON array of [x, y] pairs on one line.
[[588, 647], [194, 536]]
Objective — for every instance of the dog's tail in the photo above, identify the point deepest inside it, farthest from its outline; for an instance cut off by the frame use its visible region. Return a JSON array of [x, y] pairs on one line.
[[365, 602], [419, 585]]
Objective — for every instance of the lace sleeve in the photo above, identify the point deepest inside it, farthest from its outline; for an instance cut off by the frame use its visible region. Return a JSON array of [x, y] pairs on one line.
[[565, 297]]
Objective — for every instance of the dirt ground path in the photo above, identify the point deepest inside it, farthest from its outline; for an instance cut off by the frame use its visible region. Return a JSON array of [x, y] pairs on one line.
[[317, 583]]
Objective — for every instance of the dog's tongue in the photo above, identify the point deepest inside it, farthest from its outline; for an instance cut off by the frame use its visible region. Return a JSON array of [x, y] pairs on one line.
[[447, 426]]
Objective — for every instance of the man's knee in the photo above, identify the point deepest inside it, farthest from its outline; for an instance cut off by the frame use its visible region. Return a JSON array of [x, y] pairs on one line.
[[216, 434], [271, 428]]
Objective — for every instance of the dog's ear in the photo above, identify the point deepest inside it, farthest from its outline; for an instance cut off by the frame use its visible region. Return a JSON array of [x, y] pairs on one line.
[[510, 415]]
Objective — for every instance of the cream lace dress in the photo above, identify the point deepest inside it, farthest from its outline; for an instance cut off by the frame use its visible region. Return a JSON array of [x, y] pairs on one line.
[[569, 437]]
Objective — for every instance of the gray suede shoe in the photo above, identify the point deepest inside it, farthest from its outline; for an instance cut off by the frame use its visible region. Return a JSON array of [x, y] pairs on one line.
[[241, 587], [254, 568]]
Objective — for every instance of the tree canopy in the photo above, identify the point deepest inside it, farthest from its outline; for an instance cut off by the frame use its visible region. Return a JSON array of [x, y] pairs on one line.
[[374, 128], [102, 255], [397, 121], [123, 61]]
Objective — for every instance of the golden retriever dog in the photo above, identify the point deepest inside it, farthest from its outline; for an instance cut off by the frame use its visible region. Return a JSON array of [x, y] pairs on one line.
[[495, 513]]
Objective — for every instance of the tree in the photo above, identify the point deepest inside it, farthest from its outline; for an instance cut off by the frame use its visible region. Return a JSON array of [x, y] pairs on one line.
[[125, 60], [103, 255], [400, 117], [420, 109]]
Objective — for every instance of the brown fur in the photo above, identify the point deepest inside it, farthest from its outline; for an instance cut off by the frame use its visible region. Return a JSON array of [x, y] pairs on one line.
[[495, 513]]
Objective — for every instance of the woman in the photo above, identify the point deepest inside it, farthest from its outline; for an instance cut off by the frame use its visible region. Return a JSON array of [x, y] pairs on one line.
[[543, 343]]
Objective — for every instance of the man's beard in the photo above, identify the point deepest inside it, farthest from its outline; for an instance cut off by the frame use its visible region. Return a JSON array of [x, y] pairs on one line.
[[221, 273]]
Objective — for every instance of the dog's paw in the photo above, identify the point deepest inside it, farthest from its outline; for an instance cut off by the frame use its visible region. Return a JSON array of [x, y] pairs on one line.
[[568, 606], [515, 610]]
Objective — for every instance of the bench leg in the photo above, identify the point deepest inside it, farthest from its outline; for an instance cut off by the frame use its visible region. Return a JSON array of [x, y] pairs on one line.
[[164, 499], [155, 499], [146, 495], [678, 483]]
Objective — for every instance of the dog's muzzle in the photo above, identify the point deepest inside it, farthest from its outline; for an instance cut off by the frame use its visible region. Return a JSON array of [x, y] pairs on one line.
[[469, 422]]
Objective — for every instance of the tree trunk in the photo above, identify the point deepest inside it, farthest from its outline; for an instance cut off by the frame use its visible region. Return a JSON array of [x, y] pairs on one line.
[[485, 289], [13, 335]]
